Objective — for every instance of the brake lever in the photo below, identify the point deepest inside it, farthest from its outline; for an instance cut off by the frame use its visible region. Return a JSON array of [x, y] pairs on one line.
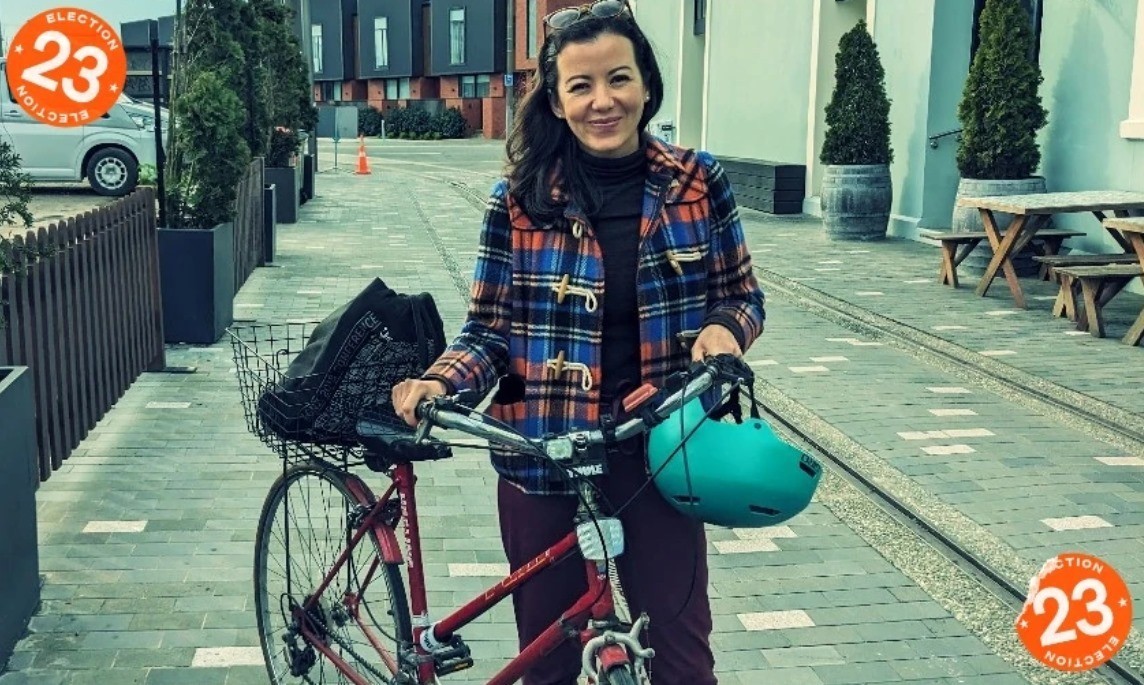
[[421, 433]]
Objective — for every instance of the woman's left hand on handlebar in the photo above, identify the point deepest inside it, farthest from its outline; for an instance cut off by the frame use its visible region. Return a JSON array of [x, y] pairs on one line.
[[714, 339], [409, 393]]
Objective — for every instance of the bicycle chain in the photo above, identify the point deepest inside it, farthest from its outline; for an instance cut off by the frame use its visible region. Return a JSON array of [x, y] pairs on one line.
[[350, 650]]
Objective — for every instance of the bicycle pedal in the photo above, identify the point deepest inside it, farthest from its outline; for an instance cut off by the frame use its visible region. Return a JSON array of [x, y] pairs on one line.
[[452, 657]]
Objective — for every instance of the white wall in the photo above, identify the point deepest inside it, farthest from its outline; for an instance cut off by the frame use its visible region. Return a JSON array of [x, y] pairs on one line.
[[659, 20], [757, 78]]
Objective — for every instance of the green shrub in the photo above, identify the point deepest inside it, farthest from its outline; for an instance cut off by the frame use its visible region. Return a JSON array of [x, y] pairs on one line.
[[148, 175], [15, 189], [1000, 109], [15, 194], [208, 153], [369, 121], [450, 123], [214, 155], [418, 121], [394, 122], [284, 143], [858, 116]]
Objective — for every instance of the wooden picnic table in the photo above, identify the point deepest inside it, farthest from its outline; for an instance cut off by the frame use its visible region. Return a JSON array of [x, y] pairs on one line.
[[1131, 230], [1031, 213]]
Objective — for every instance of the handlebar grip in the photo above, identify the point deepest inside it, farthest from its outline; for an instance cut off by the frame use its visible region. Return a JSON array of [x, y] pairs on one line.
[[423, 408]]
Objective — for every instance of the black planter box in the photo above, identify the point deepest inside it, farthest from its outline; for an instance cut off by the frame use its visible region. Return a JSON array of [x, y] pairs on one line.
[[285, 179], [19, 478], [196, 275], [772, 187], [269, 224], [308, 164]]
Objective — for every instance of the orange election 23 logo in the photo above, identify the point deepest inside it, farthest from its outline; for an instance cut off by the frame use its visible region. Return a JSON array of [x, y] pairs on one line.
[[1077, 614], [66, 67]]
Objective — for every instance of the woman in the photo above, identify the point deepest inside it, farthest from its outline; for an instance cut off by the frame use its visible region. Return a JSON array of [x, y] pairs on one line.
[[604, 253]]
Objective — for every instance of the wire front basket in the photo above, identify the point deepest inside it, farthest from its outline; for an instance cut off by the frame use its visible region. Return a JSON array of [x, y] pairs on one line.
[[262, 353]]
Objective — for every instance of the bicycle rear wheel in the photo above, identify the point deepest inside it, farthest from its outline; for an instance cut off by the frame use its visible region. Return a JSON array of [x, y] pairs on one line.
[[305, 525]]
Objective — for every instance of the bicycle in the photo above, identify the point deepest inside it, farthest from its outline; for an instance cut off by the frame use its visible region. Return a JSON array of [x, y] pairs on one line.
[[349, 616]]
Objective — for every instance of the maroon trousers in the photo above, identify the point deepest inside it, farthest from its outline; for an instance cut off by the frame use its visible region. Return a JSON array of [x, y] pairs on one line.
[[664, 565]]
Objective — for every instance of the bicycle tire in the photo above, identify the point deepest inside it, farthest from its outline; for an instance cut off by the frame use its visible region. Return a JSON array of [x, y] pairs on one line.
[[619, 675], [289, 531]]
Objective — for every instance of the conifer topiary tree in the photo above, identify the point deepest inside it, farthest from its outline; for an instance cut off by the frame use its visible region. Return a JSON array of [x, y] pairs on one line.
[[1000, 110], [291, 107], [208, 153], [858, 116]]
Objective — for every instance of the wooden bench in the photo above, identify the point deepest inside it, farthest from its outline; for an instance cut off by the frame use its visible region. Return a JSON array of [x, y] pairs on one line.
[[1098, 285], [951, 256], [1051, 262]]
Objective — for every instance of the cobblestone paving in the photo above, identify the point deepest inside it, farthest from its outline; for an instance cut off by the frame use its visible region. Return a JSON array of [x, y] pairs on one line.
[[146, 532]]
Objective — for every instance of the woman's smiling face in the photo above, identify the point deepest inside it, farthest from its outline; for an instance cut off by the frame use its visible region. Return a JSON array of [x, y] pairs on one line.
[[600, 94]]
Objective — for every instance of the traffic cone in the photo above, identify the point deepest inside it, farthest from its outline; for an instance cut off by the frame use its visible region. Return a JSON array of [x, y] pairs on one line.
[[362, 161]]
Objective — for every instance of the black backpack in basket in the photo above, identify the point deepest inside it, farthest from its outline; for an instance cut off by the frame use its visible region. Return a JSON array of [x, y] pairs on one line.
[[350, 364]]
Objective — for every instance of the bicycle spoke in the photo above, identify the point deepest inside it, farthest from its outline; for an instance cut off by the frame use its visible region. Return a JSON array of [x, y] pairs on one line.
[[304, 529]]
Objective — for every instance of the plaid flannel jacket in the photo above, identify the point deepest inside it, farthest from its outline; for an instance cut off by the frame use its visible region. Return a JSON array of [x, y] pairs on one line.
[[693, 269]]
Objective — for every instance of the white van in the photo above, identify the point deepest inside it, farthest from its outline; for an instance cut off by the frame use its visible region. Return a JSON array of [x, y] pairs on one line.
[[107, 152]]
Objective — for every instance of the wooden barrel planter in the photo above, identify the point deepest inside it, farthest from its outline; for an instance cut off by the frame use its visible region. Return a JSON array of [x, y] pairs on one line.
[[968, 220], [856, 201]]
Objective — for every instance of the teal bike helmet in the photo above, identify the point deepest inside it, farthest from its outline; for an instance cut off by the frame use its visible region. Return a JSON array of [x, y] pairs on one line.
[[737, 475]]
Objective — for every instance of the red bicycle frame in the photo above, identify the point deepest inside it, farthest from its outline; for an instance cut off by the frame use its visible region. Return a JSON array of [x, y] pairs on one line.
[[595, 604]]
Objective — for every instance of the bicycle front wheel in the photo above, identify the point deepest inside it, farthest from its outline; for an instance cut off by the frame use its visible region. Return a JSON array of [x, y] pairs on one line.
[[619, 675], [306, 524]]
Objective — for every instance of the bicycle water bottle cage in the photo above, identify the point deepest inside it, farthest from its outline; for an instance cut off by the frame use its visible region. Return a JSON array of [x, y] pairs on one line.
[[387, 444], [575, 454]]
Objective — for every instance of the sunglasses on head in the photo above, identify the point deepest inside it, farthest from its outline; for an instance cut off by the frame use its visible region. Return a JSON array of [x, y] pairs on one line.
[[601, 9]]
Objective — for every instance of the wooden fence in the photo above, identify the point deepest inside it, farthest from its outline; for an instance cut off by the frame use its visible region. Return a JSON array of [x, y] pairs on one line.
[[80, 306], [248, 230]]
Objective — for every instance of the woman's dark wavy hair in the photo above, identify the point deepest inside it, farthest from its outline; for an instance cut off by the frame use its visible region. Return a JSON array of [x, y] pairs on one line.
[[540, 142]]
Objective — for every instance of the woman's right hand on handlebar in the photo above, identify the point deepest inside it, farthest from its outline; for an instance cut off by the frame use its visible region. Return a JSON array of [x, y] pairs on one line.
[[408, 394]]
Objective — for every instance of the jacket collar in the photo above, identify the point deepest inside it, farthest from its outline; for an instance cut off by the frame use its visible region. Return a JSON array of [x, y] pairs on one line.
[[673, 177]]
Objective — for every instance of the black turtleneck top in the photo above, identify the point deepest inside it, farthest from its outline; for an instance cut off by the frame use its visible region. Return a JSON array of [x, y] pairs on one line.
[[617, 228]]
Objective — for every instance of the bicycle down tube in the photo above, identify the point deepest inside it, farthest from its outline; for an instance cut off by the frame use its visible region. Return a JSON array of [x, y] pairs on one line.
[[595, 603]]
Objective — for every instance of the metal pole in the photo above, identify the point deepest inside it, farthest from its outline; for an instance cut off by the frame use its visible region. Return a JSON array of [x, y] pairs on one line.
[[510, 65], [160, 160]]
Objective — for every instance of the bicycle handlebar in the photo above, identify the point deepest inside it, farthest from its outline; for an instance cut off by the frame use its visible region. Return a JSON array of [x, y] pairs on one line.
[[439, 411]]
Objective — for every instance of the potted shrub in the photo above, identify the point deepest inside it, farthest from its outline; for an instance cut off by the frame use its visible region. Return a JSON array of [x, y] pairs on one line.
[[282, 173], [19, 470], [1000, 114], [19, 478], [856, 188], [291, 108], [208, 156]]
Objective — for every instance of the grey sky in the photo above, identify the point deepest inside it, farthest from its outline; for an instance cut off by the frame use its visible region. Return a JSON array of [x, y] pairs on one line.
[[13, 13]]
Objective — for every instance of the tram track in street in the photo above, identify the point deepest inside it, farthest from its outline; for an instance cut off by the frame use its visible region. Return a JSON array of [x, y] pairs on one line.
[[983, 560]]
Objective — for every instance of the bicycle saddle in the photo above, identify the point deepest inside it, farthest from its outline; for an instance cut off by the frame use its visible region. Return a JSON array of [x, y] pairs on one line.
[[388, 443]]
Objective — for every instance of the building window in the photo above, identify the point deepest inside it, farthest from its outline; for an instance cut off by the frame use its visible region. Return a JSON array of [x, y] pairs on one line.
[[700, 25], [403, 89], [326, 89], [316, 46], [475, 86], [533, 43], [457, 35], [391, 89], [381, 42]]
